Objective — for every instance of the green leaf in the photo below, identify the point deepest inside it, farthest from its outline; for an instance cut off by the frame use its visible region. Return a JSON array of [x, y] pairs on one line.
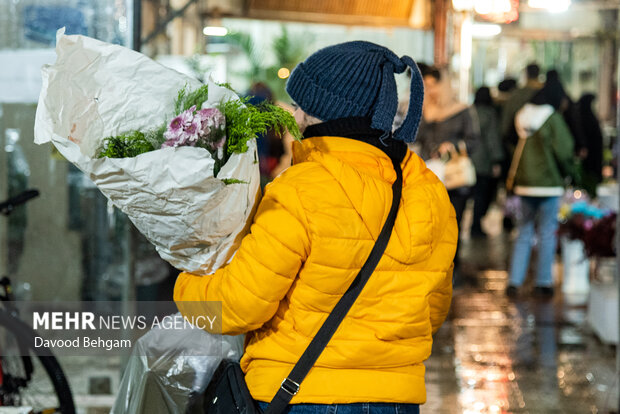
[[125, 145], [245, 121], [229, 181], [186, 100]]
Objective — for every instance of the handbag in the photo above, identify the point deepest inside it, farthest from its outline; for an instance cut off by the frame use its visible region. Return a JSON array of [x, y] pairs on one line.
[[459, 170], [438, 167], [227, 392], [514, 165]]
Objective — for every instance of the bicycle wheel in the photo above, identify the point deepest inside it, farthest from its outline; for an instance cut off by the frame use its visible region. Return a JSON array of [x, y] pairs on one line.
[[33, 381]]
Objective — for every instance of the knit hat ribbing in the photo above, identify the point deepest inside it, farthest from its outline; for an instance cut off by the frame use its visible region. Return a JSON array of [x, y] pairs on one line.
[[357, 79]]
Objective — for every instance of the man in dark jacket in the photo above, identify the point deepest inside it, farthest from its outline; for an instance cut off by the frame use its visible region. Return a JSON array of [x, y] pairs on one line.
[[517, 99]]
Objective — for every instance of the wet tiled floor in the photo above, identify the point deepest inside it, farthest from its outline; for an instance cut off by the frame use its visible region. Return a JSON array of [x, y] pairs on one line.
[[526, 355]]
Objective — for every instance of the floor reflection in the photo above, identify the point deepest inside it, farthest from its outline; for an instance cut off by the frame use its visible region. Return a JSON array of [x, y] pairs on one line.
[[496, 355]]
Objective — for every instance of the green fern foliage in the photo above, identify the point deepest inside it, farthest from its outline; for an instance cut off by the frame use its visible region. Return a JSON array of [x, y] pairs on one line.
[[245, 121], [186, 100], [125, 145]]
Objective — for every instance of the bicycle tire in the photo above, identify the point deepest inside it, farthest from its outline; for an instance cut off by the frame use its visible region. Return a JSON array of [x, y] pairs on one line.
[[25, 334]]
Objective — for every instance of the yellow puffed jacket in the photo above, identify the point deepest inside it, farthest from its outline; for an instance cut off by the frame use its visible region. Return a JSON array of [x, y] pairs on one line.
[[313, 230]]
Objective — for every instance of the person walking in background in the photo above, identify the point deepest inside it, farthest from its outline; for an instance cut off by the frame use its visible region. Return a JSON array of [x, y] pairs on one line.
[[446, 123], [570, 113], [542, 160], [314, 230], [515, 102], [593, 162], [504, 90], [487, 158]]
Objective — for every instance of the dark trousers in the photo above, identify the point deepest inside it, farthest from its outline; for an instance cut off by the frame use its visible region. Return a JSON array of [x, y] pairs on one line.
[[458, 198], [484, 193]]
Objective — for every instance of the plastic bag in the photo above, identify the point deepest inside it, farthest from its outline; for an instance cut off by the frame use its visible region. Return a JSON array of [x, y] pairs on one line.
[[96, 90], [168, 366]]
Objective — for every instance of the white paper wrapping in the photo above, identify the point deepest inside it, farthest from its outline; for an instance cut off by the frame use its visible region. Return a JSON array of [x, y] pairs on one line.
[[96, 90]]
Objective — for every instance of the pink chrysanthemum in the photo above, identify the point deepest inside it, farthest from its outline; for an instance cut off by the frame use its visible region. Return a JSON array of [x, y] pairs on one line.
[[192, 127]]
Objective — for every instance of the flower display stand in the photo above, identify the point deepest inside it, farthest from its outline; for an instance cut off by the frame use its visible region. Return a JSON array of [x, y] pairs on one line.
[[603, 301], [576, 267], [603, 311]]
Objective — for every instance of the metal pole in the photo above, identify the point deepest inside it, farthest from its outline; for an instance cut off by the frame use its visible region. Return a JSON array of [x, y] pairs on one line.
[[136, 33], [128, 295], [162, 26], [618, 221], [4, 193]]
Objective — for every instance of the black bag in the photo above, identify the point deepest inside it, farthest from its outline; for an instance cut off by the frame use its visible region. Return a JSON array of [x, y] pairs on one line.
[[227, 393]]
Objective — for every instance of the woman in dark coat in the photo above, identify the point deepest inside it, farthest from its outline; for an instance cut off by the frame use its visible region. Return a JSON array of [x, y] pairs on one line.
[[593, 162], [446, 122], [487, 157]]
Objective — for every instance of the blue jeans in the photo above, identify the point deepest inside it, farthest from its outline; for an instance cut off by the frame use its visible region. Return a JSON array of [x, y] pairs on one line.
[[356, 408], [546, 208]]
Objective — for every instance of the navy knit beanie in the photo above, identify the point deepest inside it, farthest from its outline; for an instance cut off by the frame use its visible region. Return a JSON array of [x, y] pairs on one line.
[[357, 79]]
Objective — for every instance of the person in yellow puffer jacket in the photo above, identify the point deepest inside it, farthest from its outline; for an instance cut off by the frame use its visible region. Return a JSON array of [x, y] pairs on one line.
[[313, 231]]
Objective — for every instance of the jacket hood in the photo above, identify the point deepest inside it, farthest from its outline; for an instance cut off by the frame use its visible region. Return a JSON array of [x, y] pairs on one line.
[[531, 118], [366, 173]]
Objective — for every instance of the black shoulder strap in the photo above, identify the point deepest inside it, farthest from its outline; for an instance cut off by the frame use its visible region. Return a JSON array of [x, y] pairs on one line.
[[290, 385]]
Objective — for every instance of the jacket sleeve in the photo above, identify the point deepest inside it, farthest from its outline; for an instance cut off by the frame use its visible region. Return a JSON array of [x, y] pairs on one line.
[[440, 296], [507, 118], [563, 145], [260, 274]]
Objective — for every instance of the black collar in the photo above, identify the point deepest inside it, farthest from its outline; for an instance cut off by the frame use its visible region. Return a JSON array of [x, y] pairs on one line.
[[359, 129]]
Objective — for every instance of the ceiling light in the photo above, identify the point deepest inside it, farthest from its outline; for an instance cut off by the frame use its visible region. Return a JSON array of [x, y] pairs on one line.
[[462, 5], [483, 6], [503, 6], [485, 30], [283, 73], [215, 31]]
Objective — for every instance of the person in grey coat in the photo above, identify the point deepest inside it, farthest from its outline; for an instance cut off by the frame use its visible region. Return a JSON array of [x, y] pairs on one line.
[[487, 157], [446, 123]]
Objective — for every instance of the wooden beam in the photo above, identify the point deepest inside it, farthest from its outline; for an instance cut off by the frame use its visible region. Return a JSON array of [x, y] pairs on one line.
[[328, 18], [440, 24]]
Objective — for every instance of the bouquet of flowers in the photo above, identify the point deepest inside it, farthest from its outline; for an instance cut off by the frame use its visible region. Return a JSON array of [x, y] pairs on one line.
[[178, 157], [599, 239], [581, 219], [577, 215]]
